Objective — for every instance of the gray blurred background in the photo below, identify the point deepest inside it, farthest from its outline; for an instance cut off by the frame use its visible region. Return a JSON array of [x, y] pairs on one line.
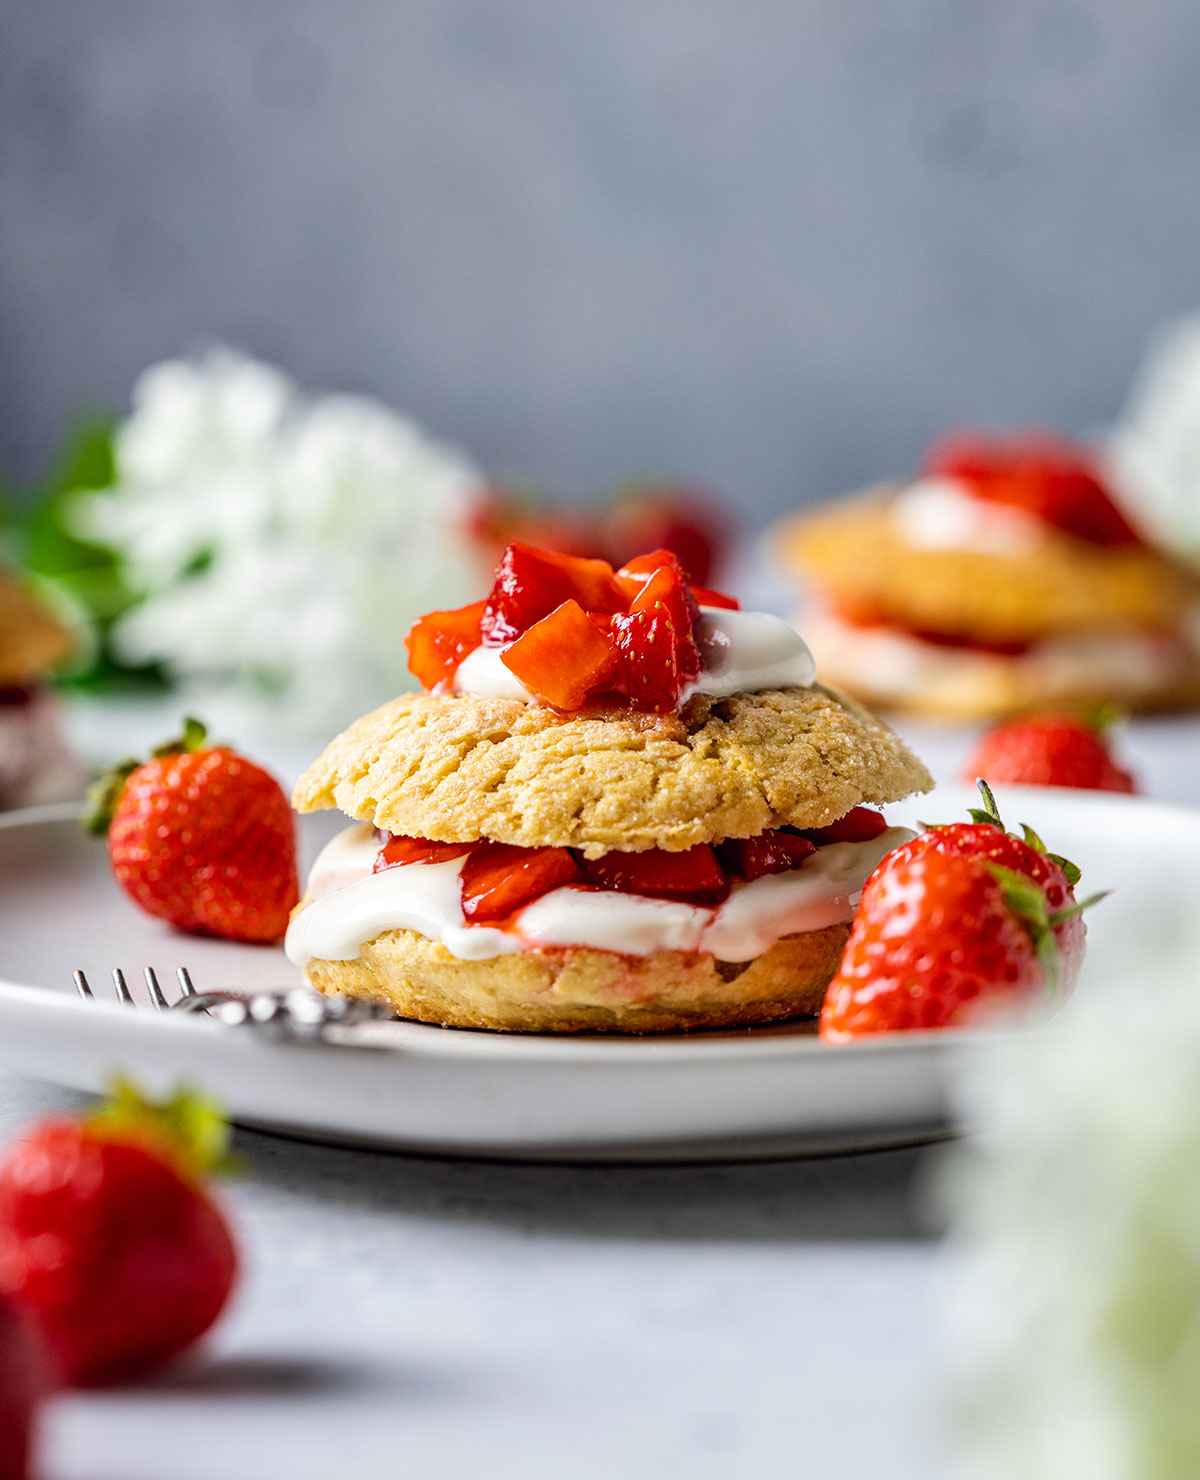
[[774, 246]]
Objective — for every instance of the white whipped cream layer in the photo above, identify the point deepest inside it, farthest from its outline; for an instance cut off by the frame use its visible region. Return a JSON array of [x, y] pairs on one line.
[[350, 905], [893, 664], [740, 653], [940, 514]]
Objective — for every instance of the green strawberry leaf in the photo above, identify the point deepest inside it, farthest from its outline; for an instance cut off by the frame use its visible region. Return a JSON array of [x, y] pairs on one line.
[[991, 812], [189, 1128], [1032, 839], [195, 732], [1071, 870], [1027, 902], [104, 794], [1078, 908]]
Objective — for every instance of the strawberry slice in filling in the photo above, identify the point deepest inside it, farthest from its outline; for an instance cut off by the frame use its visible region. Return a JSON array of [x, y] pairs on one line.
[[693, 875], [499, 879]]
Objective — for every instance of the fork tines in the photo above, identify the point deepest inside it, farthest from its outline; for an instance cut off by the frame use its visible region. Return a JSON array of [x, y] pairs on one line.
[[125, 996]]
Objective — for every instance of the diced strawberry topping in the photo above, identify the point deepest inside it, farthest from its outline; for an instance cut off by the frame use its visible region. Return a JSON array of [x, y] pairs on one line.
[[706, 596], [398, 850], [563, 658], [647, 668], [439, 642], [667, 587], [1041, 475], [859, 825], [693, 875], [776, 851], [634, 574], [530, 583], [499, 878]]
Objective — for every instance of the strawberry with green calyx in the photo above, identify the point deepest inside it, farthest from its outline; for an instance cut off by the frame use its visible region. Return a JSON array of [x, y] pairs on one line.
[[1053, 750], [936, 937], [201, 837], [962, 912], [985, 837], [109, 1239]]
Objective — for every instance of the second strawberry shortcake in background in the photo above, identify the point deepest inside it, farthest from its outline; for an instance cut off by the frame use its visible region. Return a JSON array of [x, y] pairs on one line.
[[621, 804], [1005, 577]]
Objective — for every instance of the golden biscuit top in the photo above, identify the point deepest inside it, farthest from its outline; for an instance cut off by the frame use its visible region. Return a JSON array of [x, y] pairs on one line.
[[854, 552], [458, 768], [32, 639]]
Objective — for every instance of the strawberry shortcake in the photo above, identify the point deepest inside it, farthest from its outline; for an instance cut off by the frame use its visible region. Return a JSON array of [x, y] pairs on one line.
[[1005, 577], [35, 763], [621, 803]]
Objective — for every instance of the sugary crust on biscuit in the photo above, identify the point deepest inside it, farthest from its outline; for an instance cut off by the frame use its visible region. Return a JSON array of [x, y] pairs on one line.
[[458, 768], [577, 990], [32, 639], [853, 551]]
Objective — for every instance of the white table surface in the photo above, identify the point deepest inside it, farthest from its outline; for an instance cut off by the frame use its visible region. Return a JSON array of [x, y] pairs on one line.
[[407, 1316]]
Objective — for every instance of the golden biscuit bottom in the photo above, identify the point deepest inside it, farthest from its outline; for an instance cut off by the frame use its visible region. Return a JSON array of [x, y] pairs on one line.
[[579, 990]]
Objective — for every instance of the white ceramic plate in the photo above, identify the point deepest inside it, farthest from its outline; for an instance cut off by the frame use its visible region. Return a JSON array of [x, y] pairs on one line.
[[705, 1096]]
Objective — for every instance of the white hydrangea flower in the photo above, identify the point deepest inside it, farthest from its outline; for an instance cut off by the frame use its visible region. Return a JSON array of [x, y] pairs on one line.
[[284, 543], [1154, 449], [1075, 1306]]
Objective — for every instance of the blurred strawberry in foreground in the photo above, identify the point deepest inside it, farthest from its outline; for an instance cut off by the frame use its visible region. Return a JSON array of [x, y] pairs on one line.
[[961, 916], [23, 1385], [641, 517], [202, 838], [1050, 750], [108, 1238]]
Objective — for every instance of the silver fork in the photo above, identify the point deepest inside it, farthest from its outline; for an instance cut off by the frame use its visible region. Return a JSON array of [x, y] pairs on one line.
[[295, 1013]]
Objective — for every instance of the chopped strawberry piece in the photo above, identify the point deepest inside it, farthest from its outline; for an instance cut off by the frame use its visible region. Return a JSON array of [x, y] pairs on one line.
[[398, 850], [498, 878], [563, 658], [530, 583], [646, 655], [859, 825], [776, 851], [706, 596], [439, 642], [694, 875], [668, 587], [1041, 475], [634, 574]]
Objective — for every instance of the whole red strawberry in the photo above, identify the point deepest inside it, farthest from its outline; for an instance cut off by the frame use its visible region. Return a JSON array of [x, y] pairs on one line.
[[202, 838], [960, 914], [985, 838], [934, 937], [109, 1239], [1050, 750], [23, 1384]]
